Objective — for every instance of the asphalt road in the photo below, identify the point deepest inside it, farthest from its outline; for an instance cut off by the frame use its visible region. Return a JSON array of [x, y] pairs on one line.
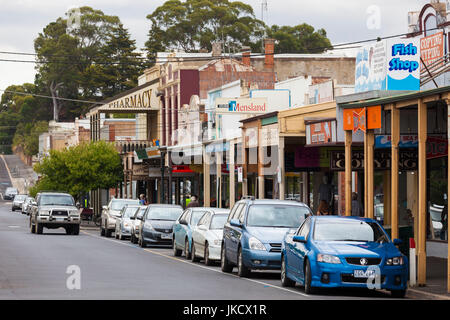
[[36, 267], [47, 266]]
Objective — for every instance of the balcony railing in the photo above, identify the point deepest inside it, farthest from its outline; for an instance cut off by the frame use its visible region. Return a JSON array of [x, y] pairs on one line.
[[124, 146]]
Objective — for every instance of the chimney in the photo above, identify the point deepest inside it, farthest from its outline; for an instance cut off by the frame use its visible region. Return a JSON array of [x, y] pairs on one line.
[[246, 56], [217, 48], [269, 50]]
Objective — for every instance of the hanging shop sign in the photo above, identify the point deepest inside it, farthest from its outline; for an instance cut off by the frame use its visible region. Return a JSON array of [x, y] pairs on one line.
[[268, 135], [382, 160], [431, 50], [251, 106], [391, 64], [362, 118], [140, 170], [319, 133]]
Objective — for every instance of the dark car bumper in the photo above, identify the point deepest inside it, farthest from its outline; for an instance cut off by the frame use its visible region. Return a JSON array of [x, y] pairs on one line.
[[259, 259], [157, 237]]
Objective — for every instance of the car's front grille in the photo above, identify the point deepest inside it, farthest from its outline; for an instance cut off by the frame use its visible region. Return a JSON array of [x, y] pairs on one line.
[[59, 213], [275, 247], [163, 230], [362, 261], [349, 278]]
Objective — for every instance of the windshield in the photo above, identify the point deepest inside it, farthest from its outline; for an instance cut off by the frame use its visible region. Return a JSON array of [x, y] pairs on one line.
[[140, 213], [164, 213], [62, 200], [119, 204], [129, 212], [270, 215], [349, 230], [196, 215], [11, 190], [19, 198], [218, 221]]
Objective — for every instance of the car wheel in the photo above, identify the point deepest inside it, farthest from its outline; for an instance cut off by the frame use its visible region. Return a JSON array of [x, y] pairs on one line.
[[69, 230], [308, 279], [398, 293], [207, 261], [176, 252], [39, 228], [243, 271], [194, 258], [32, 227], [142, 243], [102, 230], [225, 265], [107, 232], [76, 230], [285, 281], [187, 254]]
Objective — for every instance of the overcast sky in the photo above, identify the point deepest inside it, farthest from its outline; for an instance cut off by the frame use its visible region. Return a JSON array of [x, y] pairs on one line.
[[344, 21]]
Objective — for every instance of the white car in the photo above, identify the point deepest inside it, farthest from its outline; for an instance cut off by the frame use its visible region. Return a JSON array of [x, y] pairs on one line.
[[136, 224], [111, 212], [19, 199], [207, 235], [124, 222]]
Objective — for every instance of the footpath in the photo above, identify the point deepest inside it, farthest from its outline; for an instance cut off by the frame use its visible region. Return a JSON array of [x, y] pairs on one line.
[[22, 176]]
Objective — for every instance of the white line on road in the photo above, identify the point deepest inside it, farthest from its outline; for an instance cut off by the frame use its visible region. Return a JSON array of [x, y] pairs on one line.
[[198, 265]]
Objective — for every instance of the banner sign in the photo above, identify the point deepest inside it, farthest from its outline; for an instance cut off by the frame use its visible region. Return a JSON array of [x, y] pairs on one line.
[[241, 105], [431, 50], [362, 118], [391, 64], [382, 160], [437, 146], [321, 132]]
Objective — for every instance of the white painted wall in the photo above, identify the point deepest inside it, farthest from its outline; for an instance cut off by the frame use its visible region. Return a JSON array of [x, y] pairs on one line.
[[298, 88]]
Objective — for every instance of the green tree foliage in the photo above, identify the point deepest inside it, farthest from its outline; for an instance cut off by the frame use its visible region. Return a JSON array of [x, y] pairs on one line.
[[194, 24], [91, 61], [79, 169], [27, 136], [299, 39]]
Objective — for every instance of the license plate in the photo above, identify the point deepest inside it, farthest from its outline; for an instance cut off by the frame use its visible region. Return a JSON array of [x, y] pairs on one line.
[[363, 273], [59, 218], [166, 236]]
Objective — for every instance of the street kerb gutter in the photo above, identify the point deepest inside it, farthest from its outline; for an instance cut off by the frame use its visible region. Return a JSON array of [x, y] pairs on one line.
[[7, 169]]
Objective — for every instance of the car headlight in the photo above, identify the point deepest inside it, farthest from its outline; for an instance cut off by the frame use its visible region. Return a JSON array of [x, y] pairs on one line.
[[148, 226], [127, 225], [255, 244], [328, 258], [396, 261], [73, 213], [44, 212]]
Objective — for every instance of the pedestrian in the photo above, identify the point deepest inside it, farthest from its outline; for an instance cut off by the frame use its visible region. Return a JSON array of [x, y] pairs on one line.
[[356, 206], [142, 201], [193, 202]]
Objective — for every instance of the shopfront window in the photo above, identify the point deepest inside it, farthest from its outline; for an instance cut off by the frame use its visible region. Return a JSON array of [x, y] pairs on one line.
[[437, 203]]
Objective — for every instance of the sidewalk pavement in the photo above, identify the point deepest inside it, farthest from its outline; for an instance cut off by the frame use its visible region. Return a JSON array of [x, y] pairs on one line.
[[436, 285], [22, 175]]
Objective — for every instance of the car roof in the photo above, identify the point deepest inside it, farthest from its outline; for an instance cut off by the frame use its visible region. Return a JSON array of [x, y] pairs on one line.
[[55, 193], [274, 201], [162, 205], [335, 218]]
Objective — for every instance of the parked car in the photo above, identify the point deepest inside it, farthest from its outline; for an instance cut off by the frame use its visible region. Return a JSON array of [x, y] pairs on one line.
[[136, 224], [182, 230], [124, 222], [54, 210], [10, 193], [207, 236], [254, 231], [333, 251], [26, 205], [17, 202], [110, 214], [158, 222]]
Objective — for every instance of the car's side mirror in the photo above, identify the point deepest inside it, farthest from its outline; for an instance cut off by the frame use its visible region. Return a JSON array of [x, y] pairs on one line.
[[397, 242], [78, 205], [299, 239], [105, 207], [34, 203], [132, 218], [184, 222], [235, 223]]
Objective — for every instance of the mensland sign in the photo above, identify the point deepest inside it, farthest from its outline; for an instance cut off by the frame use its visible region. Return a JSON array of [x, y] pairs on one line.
[[392, 64], [241, 105]]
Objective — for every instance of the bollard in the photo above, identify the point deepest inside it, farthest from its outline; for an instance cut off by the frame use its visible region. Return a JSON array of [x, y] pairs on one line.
[[412, 262]]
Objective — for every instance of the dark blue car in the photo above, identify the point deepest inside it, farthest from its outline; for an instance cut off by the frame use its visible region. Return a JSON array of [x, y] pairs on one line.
[[332, 251], [254, 231]]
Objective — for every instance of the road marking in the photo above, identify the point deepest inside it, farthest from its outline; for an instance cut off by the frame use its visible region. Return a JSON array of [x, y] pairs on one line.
[[265, 284]]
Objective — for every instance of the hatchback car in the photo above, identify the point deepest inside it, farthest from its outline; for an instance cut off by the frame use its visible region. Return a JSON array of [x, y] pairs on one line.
[[10, 193], [26, 205], [332, 251], [124, 222], [18, 201], [254, 231], [137, 224], [207, 236], [182, 230], [158, 222]]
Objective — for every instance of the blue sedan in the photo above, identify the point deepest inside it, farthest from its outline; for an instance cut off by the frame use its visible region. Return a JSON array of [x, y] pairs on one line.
[[332, 251]]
